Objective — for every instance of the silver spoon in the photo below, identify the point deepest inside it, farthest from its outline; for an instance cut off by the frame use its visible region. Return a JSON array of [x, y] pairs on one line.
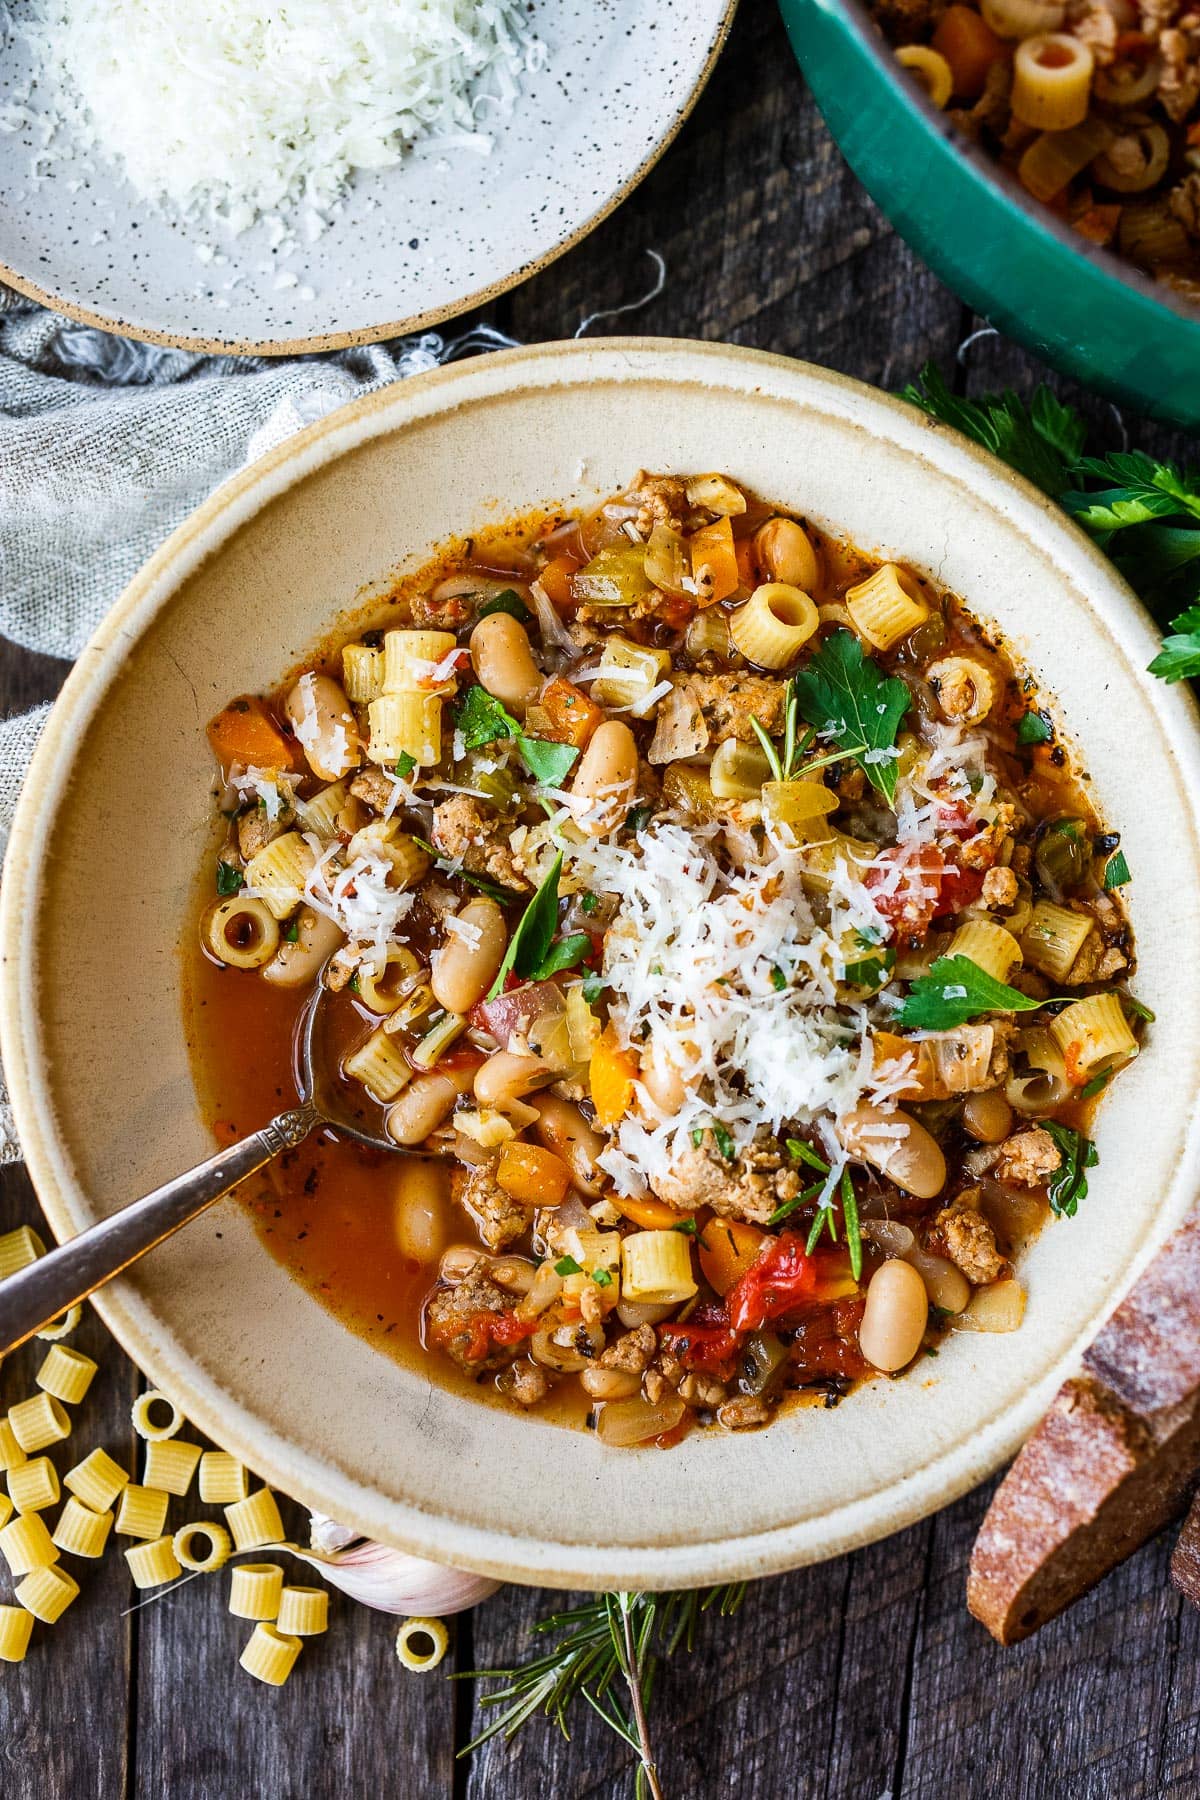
[[47, 1288]]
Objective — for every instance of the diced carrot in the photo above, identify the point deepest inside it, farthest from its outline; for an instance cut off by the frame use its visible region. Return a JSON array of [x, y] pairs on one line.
[[244, 732], [744, 551], [611, 1073], [555, 579], [970, 46], [834, 1279], [534, 1176], [566, 715], [1099, 223], [727, 1249], [651, 1215], [714, 562]]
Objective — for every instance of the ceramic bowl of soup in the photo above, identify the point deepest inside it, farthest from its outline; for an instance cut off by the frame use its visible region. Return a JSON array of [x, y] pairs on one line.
[[1089, 312], [117, 820]]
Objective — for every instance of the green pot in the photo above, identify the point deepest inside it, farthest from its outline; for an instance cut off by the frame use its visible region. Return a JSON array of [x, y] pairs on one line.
[[1085, 311]]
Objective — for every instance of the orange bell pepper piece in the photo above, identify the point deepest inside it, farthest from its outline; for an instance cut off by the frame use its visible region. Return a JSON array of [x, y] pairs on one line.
[[533, 1176], [612, 1073], [555, 580], [970, 46], [714, 563], [565, 714], [651, 1215]]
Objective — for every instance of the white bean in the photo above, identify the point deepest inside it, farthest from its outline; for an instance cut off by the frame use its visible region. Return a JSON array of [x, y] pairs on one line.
[[503, 661], [421, 1216], [563, 1128], [421, 1108], [464, 968], [507, 1076], [297, 962], [785, 553], [895, 1316], [898, 1147], [607, 776], [324, 725]]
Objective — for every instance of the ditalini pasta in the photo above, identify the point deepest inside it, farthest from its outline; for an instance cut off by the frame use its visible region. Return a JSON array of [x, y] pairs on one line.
[[270, 1656], [303, 1611], [1097, 119], [421, 1644], [11, 1453], [255, 1520], [693, 895], [16, 1629], [147, 1416], [153, 1564], [141, 1511], [38, 1422], [203, 1546], [170, 1464], [67, 1374], [26, 1544], [47, 1593], [18, 1249], [223, 1478], [97, 1480], [62, 1327], [255, 1590], [34, 1486], [80, 1531]]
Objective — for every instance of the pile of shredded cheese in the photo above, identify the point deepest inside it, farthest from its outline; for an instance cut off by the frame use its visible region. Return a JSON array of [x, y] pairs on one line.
[[229, 110]]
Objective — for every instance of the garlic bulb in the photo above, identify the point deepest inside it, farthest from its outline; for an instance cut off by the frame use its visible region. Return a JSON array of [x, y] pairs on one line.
[[387, 1579]]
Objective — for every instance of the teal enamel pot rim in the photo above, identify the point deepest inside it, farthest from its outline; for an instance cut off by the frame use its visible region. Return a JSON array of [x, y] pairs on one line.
[[1085, 311]]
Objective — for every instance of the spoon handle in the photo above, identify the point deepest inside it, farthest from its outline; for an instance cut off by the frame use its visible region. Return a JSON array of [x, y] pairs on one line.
[[35, 1295]]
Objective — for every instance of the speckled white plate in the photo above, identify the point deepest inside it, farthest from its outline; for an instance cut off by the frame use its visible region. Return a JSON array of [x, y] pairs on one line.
[[114, 820], [412, 245]]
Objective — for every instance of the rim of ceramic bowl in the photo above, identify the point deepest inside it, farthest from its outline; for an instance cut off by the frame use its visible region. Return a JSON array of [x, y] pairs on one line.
[[969, 177], [492, 1550], [83, 314]]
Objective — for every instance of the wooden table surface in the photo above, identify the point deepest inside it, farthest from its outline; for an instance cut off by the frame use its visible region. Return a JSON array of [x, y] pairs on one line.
[[862, 1677]]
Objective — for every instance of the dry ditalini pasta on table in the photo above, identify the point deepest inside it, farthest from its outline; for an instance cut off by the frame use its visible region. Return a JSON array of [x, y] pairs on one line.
[[96, 1500], [1093, 104], [716, 909]]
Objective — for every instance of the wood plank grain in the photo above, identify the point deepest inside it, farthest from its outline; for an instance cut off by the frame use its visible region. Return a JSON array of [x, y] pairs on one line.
[[767, 237], [349, 1721], [63, 1711]]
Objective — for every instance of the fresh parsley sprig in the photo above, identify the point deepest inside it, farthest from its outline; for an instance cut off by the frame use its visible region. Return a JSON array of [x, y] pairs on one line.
[[482, 719], [1068, 1185], [844, 695], [1143, 513], [957, 989], [532, 951]]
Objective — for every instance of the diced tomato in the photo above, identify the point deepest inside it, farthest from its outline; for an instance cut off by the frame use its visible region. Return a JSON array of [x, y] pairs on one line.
[[516, 1009], [488, 1329], [959, 888], [912, 904], [706, 1343], [675, 611], [826, 1342], [783, 1280], [783, 1277]]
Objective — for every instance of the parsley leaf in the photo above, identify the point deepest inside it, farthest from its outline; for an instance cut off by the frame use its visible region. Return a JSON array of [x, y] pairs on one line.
[[724, 1142], [548, 763], [566, 1265], [871, 971], [481, 719], [405, 764], [638, 817], [507, 601], [530, 943], [778, 978], [563, 955], [229, 879], [1043, 441], [1068, 1184], [501, 895], [1091, 1088], [1179, 658], [697, 1136], [955, 990], [602, 1277], [588, 903], [1034, 728], [1116, 871], [593, 987], [291, 932], [845, 694]]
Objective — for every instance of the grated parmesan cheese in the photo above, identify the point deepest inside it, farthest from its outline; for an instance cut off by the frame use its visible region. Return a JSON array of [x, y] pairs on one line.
[[692, 965], [229, 110], [358, 899]]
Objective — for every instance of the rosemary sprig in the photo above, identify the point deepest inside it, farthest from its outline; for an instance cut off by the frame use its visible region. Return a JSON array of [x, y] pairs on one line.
[[612, 1642]]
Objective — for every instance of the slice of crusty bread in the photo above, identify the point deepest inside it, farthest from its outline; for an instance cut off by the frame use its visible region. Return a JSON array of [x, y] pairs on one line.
[[1185, 1559], [1110, 1464]]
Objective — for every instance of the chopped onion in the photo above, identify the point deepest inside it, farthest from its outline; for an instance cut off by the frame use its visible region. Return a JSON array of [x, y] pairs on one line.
[[552, 628], [624, 1422]]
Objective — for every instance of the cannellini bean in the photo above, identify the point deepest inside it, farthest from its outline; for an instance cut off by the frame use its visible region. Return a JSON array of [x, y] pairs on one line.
[[503, 661], [609, 1384], [507, 1076], [623, 1422], [562, 1358], [784, 552], [662, 1080], [421, 1108], [895, 1316], [458, 1261], [890, 1236], [898, 1147], [325, 727], [633, 1313], [1000, 1307], [987, 1116], [297, 962], [421, 1221], [516, 1273], [462, 971], [946, 1285], [606, 778], [563, 1128]]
